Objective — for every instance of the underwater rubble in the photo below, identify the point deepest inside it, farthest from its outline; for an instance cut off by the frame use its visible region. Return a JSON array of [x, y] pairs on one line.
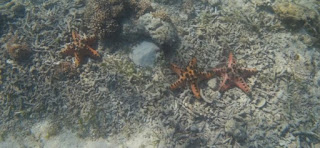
[[122, 98]]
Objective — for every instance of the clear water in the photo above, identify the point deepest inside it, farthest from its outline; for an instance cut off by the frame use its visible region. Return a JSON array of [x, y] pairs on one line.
[[229, 73]]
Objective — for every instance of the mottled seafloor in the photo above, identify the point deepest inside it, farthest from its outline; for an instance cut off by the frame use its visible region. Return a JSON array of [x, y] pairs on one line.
[[115, 102]]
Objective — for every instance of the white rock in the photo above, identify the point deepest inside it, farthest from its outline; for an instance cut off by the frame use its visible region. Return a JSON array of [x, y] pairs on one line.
[[213, 83], [144, 54]]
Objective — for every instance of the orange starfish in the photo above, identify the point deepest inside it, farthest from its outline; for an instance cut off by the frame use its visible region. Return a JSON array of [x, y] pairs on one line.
[[80, 48], [233, 75], [190, 75]]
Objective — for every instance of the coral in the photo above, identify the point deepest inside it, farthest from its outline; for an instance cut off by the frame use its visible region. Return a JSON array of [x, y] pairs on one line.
[[188, 7], [0, 76], [64, 70], [2, 67], [103, 16], [166, 2], [140, 7], [3, 23], [18, 49], [80, 48], [162, 32], [162, 15], [214, 2], [14, 9], [124, 67], [234, 128], [294, 15], [18, 10]]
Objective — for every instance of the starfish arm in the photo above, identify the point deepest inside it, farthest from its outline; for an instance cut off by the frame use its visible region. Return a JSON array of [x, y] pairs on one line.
[[247, 72], [178, 83], [206, 75], [225, 87], [223, 84], [92, 53], [239, 82], [176, 69], [219, 71], [231, 60], [90, 40], [68, 50], [75, 36], [195, 90], [78, 58], [192, 64]]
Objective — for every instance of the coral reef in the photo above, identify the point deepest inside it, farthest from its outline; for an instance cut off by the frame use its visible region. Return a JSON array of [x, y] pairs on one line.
[[294, 15], [103, 16], [124, 67], [64, 70], [14, 9], [2, 68], [3, 23], [0, 76], [115, 100], [166, 2], [140, 7], [162, 15], [235, 129], [163, 33]]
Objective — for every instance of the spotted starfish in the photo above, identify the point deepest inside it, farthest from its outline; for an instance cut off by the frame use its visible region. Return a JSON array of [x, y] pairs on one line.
[[80, 48], [190, 75], [233, 75]]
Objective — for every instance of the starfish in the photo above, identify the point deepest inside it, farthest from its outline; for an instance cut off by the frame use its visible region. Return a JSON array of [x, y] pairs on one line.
[[233, 75], [80, 48], [190, 75]]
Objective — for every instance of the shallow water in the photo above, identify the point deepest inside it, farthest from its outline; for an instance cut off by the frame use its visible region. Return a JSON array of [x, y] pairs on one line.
[[219, 73]]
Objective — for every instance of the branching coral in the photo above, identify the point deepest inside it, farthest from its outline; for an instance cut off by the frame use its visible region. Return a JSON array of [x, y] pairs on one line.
[[0, 77], [140, 7], [162, 15], [102, 16], [124, 67]]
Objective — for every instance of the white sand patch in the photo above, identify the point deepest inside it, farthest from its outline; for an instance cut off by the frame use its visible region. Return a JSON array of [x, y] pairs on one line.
[[144, 139]]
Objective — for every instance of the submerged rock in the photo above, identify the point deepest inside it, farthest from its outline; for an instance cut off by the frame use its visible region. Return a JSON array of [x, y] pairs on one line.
[[18, 49], [162, 32], [144, 54], [18, 10], [294, 15]]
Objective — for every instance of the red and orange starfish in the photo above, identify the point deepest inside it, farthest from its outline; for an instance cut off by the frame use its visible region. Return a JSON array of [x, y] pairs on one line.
[[190, 75], [80, 48], [233, 75]]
